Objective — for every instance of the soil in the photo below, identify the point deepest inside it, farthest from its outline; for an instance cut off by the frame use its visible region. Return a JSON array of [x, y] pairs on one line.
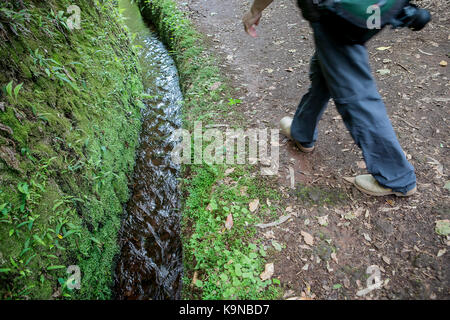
[[270, 74]]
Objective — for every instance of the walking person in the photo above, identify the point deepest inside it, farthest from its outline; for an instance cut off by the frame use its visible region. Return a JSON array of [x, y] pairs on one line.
[[340, 70]]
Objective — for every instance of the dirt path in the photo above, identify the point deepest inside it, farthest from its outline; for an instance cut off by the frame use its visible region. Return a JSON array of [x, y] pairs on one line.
[[398, 235]]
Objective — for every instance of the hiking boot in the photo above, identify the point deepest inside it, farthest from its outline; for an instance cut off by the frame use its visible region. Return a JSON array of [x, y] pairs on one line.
[[366, 183], [285, 127]]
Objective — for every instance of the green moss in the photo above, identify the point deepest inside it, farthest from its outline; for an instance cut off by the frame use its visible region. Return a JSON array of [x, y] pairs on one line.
[[319, 196], [69, 133]]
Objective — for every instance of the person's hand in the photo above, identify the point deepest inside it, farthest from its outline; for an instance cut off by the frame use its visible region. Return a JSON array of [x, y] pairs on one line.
[[251, 20]]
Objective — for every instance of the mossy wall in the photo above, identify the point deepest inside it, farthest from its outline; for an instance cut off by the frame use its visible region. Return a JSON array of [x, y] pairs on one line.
[[69, 126]]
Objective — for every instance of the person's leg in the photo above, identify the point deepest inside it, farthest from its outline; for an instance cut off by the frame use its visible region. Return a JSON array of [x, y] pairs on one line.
[[311, 107], [353, 88]]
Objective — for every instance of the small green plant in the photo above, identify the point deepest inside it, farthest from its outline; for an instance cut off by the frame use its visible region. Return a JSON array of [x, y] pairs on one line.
[[228, 259], [52, 68], [17, 90], [13, 22], [9, 88], [233, 102], [13, 93], [59, 20]]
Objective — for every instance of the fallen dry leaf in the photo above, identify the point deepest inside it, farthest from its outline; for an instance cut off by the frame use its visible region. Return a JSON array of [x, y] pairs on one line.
[[269, 234], [275, 223], [390, 209], [353, 215], [253, 206], [443, 227], [299, 298], [384, 71], [229, 222], [268, 272], [361, 164], [229, 171], [334, 257], [441, 252], [215, 86], [288, 294], [9, 156], [6, 129], [307, 295], [437, 165], [194, 278], [390, 202], [307, 237], [323, 221], [349, 179]]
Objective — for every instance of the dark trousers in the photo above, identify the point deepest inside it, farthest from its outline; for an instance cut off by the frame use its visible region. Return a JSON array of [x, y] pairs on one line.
[[341, 71]]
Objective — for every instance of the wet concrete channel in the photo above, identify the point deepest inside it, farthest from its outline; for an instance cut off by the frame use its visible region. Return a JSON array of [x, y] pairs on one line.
[[150, 262]]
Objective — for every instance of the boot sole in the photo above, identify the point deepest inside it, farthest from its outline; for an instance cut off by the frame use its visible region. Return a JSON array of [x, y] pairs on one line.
[[398, 194], [303, 149]]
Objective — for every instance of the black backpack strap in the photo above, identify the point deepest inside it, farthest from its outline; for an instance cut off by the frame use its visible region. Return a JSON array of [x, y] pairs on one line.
[[310, 9]]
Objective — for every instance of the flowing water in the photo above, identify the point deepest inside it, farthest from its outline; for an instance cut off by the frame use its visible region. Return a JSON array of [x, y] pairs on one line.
[[150, 262]]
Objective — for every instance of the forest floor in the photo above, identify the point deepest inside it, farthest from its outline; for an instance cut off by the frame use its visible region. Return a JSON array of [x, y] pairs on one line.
[[335, 232]]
